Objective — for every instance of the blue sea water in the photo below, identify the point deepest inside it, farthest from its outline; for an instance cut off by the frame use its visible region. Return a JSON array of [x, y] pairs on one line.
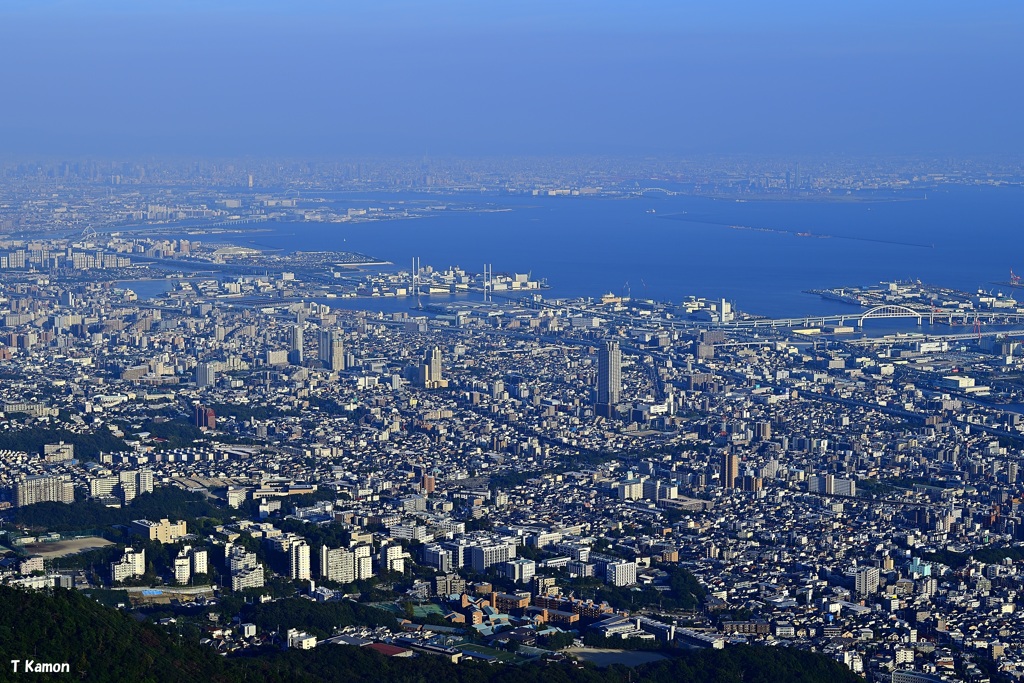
[[668, 247]]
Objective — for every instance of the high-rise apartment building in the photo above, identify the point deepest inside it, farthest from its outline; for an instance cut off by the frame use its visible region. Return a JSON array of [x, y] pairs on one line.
[[337, 564], [434, 364], [41, 489], [730, 470], [203, 417], [609, 377], [621, 573], [299, 555], [866, 580], [430, 371], [331, 350], [182, 568], [295, 355], [832, 485], [392, 559], [131, 564], [206, 376], [190, 561]]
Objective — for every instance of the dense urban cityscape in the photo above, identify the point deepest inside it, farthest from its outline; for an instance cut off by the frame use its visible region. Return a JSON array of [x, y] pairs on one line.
[[251, 457]]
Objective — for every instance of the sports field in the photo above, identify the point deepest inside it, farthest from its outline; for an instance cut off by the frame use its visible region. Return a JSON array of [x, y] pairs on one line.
[[68, 547]]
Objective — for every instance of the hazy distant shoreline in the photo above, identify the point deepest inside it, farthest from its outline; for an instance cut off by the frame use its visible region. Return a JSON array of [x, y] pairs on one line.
[[816, 198]]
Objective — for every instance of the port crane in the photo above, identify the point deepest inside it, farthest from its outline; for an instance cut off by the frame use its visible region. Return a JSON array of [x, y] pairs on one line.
[[1014, 278]]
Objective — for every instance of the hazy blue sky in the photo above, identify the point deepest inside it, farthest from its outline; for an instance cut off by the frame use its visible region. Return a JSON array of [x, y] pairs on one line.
[[397, 77]]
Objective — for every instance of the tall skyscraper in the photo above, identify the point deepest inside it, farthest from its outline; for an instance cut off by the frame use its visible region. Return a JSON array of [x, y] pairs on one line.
[[295, 355], [730, 470], [299, 556], [609, 377], [434, 363], [430, 371], [323, 346], [331, 350], [206, 376]]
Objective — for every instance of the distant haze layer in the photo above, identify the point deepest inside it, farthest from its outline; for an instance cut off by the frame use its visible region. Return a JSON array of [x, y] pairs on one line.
[[320, 79]]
